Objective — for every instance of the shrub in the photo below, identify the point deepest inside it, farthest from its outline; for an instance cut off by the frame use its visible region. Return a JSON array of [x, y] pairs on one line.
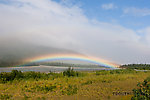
[[10, 76], [32, 74], [70, 72], [16, 74], [143, 90]]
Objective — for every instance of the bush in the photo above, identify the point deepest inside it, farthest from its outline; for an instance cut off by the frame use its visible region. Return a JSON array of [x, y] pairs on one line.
[[34, 75], [10, 76], [16, 74], [143, 90], [70, 72]]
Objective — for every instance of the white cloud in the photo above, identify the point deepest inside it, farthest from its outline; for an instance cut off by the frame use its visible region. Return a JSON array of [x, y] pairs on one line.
[[136, 11], [108, 6], [145, 33], [49, 23]]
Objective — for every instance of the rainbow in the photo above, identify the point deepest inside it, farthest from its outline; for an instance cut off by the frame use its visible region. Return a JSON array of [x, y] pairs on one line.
[[54, 57]]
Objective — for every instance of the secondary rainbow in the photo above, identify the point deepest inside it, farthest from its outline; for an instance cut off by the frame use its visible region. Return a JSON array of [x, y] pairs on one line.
[[54, 57]]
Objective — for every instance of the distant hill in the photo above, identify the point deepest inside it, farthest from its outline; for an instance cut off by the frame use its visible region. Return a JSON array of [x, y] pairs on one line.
[[12, 54]]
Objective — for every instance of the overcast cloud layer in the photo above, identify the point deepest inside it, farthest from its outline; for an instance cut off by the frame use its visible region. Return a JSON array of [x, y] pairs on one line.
[[52, 24]]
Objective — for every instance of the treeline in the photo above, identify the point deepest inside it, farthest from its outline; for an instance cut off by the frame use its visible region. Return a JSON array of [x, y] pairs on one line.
[[61, 64], [70, 64], [136, 66]]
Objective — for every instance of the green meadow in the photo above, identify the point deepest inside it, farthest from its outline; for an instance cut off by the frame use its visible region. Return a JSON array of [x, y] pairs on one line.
[[71, 85]]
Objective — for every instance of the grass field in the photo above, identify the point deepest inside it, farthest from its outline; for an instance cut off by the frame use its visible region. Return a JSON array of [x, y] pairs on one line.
[[101, 85]]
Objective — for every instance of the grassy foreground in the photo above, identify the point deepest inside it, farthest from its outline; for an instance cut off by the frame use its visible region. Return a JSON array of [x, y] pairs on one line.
[[100, 85]]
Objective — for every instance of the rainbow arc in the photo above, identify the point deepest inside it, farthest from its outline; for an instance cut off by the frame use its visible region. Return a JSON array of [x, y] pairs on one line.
[[54, 57]]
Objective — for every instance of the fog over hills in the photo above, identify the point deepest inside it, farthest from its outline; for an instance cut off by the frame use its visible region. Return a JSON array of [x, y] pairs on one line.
[[14, 52]]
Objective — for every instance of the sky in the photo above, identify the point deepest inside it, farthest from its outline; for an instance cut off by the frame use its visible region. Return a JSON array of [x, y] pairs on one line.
[[114, 30]]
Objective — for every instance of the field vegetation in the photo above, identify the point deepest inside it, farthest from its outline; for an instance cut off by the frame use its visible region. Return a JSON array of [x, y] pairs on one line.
[[71, 85]]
